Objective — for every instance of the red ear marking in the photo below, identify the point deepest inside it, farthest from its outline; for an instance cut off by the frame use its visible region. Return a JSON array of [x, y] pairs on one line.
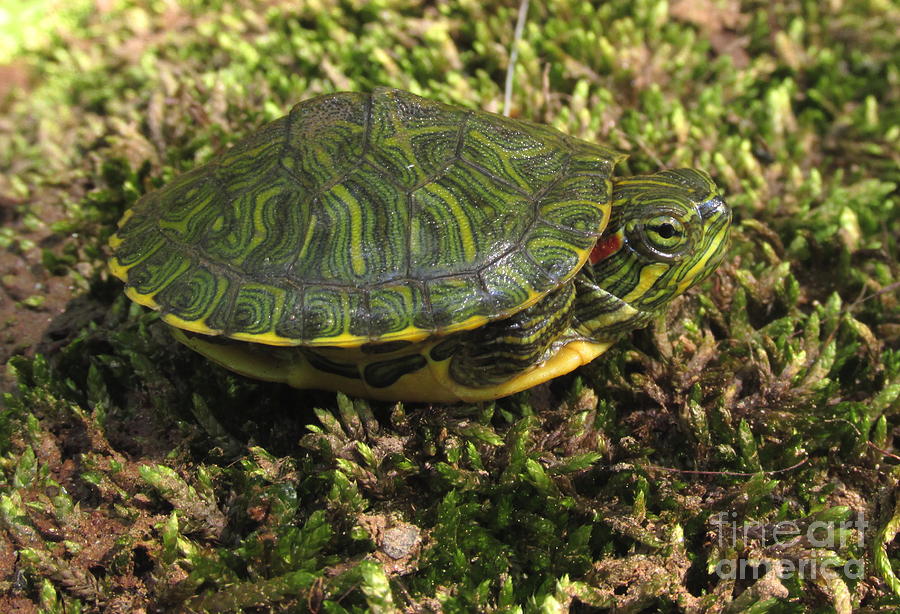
[[605, 247]]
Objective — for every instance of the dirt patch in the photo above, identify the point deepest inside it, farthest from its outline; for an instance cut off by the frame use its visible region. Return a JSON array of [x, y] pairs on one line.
[[720, 24], [12, 77], [30, 296]]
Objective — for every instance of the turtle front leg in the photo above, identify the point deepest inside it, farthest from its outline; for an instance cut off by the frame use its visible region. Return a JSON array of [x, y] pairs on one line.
[[501, 350], [600, 315]]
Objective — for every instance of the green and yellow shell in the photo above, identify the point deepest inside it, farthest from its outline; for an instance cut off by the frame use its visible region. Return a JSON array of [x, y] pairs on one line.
[[400, 248]]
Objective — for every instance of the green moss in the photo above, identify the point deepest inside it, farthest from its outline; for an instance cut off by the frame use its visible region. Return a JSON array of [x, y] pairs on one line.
[[766, 400]]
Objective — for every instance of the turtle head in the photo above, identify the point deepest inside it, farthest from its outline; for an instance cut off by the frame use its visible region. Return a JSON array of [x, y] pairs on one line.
[[667, 232]]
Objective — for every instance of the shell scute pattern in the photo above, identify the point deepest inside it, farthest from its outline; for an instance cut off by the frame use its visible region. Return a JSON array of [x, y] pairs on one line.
[[253, 227], [461, 219], [290, 322], [392, 308], [194, 295], [257, 307], [456, 299], [188, 210], [367, 217], [572, 203], [144, 240], [593, 159], [558, 250], [149, 276], [515, 279], [331, 312], [412, 142], [354, 231], [277, 218], [525, 155], [326, 138], [238, 169]]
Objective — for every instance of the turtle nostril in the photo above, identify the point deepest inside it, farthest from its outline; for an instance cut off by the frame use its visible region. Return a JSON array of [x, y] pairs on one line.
[[713, 207]]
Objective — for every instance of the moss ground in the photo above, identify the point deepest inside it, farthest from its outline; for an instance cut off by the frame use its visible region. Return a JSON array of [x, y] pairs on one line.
[[751, 430]]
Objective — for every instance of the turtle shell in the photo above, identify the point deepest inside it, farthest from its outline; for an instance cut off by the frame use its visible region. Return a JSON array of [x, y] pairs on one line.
[[367, 217]]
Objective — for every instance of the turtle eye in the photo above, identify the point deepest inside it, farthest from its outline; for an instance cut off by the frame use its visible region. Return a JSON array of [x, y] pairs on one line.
[[662, 237], [665, 232]]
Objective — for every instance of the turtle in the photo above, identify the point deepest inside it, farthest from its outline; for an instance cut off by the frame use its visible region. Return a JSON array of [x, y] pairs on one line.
[[399, 248]]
